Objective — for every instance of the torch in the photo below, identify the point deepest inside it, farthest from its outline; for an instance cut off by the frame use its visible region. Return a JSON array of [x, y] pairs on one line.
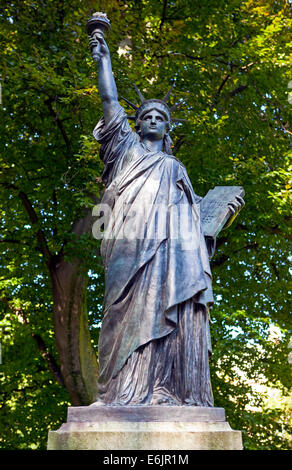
[[97, 24]]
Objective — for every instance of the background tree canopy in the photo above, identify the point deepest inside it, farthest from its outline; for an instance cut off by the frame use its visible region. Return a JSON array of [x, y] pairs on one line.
[[231, 67]]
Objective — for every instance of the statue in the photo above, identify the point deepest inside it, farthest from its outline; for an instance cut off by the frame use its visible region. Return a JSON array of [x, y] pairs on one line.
[[154, 343]]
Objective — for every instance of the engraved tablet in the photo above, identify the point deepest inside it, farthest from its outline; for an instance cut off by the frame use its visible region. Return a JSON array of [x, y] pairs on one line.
[[214, 208]]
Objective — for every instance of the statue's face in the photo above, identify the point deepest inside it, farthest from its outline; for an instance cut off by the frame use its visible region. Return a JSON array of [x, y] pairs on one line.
[[153, 125]]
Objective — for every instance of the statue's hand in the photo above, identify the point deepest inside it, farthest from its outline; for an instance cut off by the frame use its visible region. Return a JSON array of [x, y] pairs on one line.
[[235, 206], [98, 47]]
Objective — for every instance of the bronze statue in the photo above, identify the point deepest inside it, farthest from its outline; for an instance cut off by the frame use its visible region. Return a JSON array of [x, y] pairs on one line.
[[154, 343]]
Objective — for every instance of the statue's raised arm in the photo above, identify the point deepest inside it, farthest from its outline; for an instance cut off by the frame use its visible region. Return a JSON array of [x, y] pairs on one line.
[[106, 82], [112, 131]]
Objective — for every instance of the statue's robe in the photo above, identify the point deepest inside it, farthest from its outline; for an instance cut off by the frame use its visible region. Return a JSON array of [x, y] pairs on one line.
[[154, 339]]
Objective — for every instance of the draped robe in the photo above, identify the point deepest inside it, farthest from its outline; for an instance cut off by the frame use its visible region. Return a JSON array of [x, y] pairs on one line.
[[154, 340]]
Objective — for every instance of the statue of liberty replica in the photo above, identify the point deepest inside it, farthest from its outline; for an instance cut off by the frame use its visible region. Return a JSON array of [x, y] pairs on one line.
[[154, 388], [154, 343]]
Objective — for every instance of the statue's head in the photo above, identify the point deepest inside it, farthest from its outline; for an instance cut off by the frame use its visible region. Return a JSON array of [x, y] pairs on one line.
[[153, 119]]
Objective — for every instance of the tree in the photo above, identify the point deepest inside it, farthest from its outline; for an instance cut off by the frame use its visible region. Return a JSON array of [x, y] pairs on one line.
[[230, 66]]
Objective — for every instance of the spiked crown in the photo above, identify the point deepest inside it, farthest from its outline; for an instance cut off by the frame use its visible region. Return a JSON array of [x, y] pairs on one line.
[[147, 105]]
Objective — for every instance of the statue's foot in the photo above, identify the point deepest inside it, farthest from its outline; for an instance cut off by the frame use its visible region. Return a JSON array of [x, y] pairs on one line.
[[97, 403], [163, 399], [196, 402]]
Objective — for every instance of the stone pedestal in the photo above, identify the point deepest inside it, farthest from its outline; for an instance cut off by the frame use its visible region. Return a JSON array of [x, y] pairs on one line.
[[145, 428]]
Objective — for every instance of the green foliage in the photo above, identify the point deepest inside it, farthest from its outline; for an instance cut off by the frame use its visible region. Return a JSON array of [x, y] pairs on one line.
[[230, 63], [31, 400]]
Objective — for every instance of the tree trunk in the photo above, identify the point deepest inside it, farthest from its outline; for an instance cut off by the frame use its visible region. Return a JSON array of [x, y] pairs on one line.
[[77, 357], [78, 360]]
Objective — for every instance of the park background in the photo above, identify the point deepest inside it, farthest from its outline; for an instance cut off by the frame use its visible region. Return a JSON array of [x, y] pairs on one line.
[[231, 65]]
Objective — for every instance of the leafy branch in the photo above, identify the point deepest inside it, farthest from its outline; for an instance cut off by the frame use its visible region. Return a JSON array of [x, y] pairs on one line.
[[41, 345]]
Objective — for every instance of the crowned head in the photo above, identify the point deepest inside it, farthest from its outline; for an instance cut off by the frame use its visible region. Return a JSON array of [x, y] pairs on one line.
[[152, 120], [157, 105], [152, 107]]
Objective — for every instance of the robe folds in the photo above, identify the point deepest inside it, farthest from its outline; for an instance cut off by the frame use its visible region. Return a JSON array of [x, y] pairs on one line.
[[157, 273]]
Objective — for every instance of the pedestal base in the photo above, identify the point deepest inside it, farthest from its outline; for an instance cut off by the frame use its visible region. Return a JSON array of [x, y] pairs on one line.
[[145, 428]]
